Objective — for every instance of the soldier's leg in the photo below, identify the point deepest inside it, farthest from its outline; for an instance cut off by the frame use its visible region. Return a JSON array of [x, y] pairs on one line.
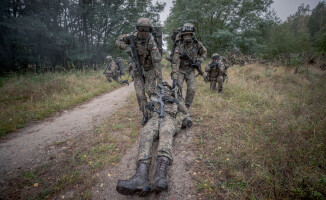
[[220, 83], [108, 77], [164, 153], [181, 78], [139, 181], [191, 88], [141, 96], [147, 136], [213, 85], [150, 81]]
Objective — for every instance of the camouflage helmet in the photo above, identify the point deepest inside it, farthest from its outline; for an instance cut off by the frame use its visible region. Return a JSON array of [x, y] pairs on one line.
[[108, 57], [215, 56], [187, 28], [144, 25]]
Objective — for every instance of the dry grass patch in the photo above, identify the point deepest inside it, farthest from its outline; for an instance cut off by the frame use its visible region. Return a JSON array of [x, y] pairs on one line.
[[73, 171], [264, 137], [30, 97]]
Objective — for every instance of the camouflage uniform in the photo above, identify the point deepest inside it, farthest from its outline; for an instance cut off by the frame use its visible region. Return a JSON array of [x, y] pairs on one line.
[[112, 70], [181, 68], [162, 128], [150, 59], [215, 72], [120, 64]]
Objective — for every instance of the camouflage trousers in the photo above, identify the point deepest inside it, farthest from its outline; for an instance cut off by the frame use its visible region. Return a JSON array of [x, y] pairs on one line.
[[110, 77], [190, 79], [142, 87], [162, 128], [219, 80]]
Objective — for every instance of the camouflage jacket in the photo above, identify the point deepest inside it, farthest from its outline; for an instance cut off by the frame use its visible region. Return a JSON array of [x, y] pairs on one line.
[[112, 69], [176, 109], [214, 72], [195, 49], [149, 54]]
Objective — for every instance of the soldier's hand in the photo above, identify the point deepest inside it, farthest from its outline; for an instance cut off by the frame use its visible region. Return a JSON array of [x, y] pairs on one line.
[[128, 49], [174, 83]]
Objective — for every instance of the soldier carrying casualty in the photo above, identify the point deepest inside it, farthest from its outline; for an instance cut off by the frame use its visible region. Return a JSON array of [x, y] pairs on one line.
[[146, 68], [168, 114], [187, 57], [216, 72], [111, 71]]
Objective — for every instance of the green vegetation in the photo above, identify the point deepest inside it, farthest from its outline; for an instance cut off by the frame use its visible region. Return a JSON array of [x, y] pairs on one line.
[[30, 97], [264, 137], [66, 33], [251, 27]]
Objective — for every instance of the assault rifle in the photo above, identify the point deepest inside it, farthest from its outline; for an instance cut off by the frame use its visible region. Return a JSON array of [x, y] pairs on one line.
[[186, 55], [107, 67], [161, 99], [214, 65], [135, 57]]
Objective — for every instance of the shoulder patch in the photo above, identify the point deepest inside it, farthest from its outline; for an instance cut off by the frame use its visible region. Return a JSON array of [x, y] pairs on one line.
[[154, 48]]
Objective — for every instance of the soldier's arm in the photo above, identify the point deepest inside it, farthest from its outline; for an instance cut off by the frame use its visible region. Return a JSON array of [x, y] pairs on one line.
[[208, 67], [175, 63], [122, 41], [202, 52], [156, 59]]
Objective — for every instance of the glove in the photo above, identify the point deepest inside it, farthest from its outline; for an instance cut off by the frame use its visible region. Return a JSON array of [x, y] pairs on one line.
[[174, 83], [198, 63], [128, 49]]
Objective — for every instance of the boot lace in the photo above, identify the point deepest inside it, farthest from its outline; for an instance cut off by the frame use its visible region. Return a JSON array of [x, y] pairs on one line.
[[161, 168]]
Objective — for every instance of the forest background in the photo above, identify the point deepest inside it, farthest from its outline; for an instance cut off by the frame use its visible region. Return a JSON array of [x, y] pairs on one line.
[[50, 35]]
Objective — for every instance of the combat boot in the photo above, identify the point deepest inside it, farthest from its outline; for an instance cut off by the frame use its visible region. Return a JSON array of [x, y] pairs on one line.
[[220, 90], [137, 183], [160, 181]]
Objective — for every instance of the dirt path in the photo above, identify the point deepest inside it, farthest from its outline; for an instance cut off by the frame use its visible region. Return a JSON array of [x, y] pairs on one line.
[[27, 147], [179, 173]]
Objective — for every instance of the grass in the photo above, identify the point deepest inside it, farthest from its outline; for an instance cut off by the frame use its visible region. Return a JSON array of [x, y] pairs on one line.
[[31, 97], [264, 137], [72, 173]]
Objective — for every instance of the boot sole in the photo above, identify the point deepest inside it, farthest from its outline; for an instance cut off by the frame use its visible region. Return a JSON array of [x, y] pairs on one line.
[[160, 188], [128, 191]]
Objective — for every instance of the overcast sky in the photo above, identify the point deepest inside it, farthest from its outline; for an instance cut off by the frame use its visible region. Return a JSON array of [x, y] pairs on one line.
[[284, 8]]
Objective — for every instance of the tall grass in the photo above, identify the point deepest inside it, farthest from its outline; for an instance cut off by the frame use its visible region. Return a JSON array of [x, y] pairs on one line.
[[29, 97], [264, 137]]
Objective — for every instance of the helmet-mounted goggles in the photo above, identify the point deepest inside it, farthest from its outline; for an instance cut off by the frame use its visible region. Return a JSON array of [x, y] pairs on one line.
[[144, 28], [215, 57], [187, 29]]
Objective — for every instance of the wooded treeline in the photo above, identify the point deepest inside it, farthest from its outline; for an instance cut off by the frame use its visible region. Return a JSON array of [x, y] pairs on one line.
[[251, 27], [66, 32]]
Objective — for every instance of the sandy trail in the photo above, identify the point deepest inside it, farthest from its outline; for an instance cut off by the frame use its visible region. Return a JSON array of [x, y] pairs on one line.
[[27, 147]]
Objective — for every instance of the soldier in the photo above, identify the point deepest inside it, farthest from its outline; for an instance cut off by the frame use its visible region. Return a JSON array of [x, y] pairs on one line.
[[149, 58], [182, 68], [216, 72], [111, 70], [120, 64], [163, 125]]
